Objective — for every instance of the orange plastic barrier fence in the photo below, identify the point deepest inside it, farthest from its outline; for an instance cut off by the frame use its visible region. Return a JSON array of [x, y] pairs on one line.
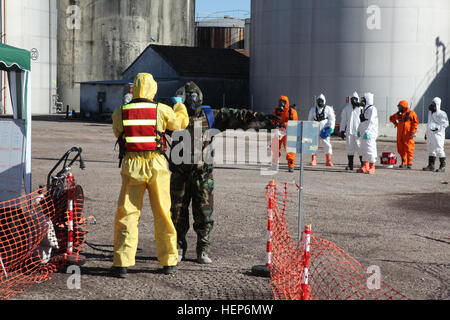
[[34, 234], [315, 269]]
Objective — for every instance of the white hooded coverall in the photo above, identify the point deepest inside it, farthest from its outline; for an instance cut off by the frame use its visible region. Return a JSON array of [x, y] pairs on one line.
[[330, 121], [349, 124], [370, 128], [436, 139]]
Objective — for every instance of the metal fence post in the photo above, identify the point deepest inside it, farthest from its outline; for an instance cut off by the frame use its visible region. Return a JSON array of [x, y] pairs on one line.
[[423, 109], [3, 267], [386, 110]]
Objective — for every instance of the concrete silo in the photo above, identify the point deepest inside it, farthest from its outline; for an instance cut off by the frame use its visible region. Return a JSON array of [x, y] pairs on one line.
[[99, 39], [397, 49]]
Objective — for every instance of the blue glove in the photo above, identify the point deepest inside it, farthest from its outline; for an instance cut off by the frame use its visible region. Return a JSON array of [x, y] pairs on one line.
[[359, 134], [330, 131], [176, 100], [366, 136], [325, 133]]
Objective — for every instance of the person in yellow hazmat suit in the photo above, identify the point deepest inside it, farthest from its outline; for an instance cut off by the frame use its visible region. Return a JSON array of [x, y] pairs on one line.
[[141, 124]]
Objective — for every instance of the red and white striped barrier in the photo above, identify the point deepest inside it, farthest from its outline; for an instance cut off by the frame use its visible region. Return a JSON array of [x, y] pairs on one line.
[[306, 258], [271, 206], [264, 270], [70, 201]]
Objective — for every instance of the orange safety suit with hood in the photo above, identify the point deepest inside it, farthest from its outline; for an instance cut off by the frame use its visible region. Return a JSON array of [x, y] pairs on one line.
[[406, 122], [286, 113]]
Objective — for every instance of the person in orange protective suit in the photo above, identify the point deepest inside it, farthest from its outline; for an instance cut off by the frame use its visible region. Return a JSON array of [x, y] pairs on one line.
[[286, 113], [406, 122]]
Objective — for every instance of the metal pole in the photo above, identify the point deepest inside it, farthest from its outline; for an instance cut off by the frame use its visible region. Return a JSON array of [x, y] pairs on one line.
[[300, 211], [423, 109], [50, 72], [3, 110], [300, 203], [387, 106], [3, 267], [4, 84]]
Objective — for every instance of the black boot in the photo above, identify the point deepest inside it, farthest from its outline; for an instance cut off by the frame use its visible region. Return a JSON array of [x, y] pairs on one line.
[[119, 272], [182, 248], [169, 269], [431, 161], [360, 159], [291, 166], [442, 166], [350, 163]]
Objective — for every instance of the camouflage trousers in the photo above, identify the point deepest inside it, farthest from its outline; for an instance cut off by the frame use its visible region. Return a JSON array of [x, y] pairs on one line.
[[196, 184]]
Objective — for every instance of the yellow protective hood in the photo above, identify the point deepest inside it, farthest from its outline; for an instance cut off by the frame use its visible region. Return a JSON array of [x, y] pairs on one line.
[[144, 86]]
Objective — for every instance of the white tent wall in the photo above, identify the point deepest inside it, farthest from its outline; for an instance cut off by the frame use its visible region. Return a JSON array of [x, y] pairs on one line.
[[32, 24], [20, 85]]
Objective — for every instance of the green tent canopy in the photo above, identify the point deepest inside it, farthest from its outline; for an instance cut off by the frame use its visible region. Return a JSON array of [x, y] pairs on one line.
[[17, 63], [14, 59]]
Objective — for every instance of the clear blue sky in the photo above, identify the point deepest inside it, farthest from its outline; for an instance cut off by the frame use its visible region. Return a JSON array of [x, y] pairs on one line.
[[219, 8]]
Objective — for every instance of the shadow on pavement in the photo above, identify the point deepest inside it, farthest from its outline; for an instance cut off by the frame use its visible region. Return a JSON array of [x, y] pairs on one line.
[[425, 203]]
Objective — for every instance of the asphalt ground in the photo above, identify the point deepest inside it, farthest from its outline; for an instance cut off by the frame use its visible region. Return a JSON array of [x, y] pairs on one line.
[[396, 219]]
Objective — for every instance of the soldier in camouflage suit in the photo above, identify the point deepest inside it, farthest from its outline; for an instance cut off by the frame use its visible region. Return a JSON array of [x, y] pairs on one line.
[[195, 181]]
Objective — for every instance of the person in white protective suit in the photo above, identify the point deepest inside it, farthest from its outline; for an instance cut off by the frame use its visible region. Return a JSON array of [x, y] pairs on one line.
[[368, 132], [435, 135], [327, 120], [350, 120]]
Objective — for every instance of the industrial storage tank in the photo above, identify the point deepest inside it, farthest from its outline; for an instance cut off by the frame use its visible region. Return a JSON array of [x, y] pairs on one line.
[[98, 40], [32, 25], [226, 33], [396, 49]]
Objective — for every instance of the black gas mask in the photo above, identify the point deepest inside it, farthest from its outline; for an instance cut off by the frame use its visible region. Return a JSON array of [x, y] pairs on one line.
[[281, 106], [432, 107], [355, 103], [320, 103], [191, 100], [363, 102]]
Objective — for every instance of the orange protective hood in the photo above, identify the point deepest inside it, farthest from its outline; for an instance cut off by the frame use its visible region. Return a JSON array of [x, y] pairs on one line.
[[405, 106], [285, 113]]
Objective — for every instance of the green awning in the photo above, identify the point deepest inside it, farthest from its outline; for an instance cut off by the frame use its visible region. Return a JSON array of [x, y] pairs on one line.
[[14, 59]]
